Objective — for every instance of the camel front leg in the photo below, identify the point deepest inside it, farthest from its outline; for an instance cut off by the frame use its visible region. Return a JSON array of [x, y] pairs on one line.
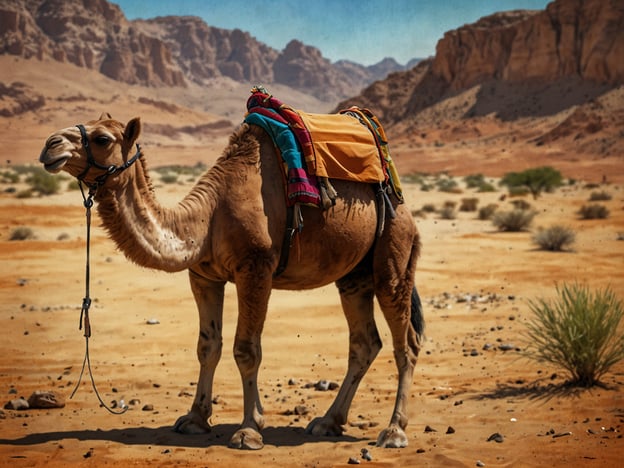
[[209, 298], [356, 296], [253, 299]]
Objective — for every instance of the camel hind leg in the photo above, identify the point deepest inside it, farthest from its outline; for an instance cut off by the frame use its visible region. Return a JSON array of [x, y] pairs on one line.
[[356, 295], [401, 306]]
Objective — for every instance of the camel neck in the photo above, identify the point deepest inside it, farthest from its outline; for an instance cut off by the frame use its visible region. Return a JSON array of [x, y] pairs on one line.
[[150, 234]]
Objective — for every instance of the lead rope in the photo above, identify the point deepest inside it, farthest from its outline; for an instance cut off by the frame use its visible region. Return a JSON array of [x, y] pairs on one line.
[[86, 304]]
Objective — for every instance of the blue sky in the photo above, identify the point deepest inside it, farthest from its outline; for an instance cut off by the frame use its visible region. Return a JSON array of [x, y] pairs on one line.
[[364, 31]]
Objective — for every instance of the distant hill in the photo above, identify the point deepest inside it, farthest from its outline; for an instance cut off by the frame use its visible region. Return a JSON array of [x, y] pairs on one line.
[[170, 51]]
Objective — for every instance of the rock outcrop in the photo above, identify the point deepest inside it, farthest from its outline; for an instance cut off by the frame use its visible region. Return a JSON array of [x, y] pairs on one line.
[[168, 51], [521, 52]]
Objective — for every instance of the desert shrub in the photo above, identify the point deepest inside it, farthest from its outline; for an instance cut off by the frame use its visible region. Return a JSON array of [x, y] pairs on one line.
[[535, 180], [9, 177], [169, 178], [594, 211], [555, 238], [73, 185], [521, 204], [486, 212], [486, 187], [469, 204], [21, 233], [518, 191], [474, 180], [448, 212], [428, 208], [447, 185], [577, 332], [42, 182], [514, 220], [600, 196]]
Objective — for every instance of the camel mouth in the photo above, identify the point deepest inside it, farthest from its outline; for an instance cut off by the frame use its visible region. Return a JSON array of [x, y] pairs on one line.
[[54, 164]]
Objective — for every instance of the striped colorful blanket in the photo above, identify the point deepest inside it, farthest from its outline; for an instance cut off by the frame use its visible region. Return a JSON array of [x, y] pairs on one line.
[[350, 145]]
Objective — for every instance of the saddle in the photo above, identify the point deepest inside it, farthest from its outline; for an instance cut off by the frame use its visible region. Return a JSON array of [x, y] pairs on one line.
[[315, 148]]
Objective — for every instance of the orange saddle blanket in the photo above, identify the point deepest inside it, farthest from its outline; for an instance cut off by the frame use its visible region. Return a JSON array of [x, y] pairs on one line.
[[343, 148]]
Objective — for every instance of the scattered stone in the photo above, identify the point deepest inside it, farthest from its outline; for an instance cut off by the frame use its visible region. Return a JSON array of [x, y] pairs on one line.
[[366, 455], [450, 430], [325, 385], [496, 437], [430, 429], [353, 461], [13, 391], [506, 347], [17, 404], [2, 415], [480, 463], [561, 434], [420, 450], [458, 402], [45, 400], [89, 454], [152, 321], [487, 347], [148, 407], [474, 352], [134, 402], [292, 381]]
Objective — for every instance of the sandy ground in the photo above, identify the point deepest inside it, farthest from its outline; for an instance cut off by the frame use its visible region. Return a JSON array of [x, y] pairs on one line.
[[305, 340]]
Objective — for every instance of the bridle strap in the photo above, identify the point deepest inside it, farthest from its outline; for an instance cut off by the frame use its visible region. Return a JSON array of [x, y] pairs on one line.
[[91, 162]]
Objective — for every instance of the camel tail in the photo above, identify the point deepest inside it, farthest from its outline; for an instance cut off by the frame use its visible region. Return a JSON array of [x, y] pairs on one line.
[[417, 318]]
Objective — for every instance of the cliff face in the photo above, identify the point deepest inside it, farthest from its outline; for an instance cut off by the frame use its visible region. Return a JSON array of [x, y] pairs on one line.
[[168, 51], [581, 38], [522, 52]]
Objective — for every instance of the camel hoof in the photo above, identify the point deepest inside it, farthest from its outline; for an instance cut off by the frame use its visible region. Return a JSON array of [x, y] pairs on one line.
[[392, 437], [246, 439], [191, 424], [323, 427]]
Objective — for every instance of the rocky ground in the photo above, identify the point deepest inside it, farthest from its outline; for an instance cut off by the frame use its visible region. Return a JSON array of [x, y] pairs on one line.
[[475, 400]]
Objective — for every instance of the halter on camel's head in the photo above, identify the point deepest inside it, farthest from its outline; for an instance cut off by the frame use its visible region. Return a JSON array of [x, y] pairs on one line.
[[94, 151]]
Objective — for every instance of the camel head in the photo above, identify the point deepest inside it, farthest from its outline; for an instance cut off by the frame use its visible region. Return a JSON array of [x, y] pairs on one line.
[[91, 151]]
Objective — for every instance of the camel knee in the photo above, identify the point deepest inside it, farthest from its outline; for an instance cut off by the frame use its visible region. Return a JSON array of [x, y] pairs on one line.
[[247, 356], [209, 348]]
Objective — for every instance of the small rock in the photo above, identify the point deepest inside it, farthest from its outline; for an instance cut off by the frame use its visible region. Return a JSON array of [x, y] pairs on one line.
[[474, 352], [301, 410], [353, 461], [148, 407], [45, 400], [366, 455], [324, 385], [450, 430], [152, 321], [17, 404], [292, 381], [420, 450], [506, 347], [430, 429], [496, 437], [480, 463]]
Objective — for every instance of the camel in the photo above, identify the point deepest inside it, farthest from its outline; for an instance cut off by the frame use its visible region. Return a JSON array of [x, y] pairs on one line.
[[230, 228]]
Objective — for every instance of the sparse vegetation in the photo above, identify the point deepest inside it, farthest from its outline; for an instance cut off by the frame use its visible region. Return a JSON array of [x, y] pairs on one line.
[[469, 204], [43, 182], [22, 233], [448, 184], [486, 212], [448, 210], [513, 221], [579, 332], [600, 196], [594, 211], [555, 238], [536, 180], [520, 204]]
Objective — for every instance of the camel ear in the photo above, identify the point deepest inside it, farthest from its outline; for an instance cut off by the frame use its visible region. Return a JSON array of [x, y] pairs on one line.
[[105, 116], [132, 131]]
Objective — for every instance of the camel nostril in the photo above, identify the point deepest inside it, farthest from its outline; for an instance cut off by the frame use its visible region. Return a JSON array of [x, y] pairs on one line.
[[53, 141]]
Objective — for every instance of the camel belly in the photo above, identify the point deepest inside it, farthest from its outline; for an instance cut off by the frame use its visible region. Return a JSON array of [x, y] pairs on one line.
[[330, 245]]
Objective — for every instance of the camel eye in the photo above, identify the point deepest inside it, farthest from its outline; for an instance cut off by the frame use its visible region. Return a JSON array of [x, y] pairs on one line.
[[102, 140]]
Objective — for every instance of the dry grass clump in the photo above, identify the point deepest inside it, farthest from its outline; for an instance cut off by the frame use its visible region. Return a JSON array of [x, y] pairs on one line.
[[579, 332], [555, 238], [600, 196], [486, 212], [513, 221], [594, 211], [469, 204], [22, 233]]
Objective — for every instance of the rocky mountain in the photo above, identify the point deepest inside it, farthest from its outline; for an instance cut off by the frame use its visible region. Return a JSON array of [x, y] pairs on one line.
[[578, 42], [168, 51]]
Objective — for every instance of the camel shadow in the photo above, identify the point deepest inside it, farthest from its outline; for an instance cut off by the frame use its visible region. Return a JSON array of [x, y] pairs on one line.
[[164, 436]]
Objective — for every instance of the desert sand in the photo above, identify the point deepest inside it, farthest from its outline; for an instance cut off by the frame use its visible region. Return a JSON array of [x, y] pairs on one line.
[[475, 283]]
